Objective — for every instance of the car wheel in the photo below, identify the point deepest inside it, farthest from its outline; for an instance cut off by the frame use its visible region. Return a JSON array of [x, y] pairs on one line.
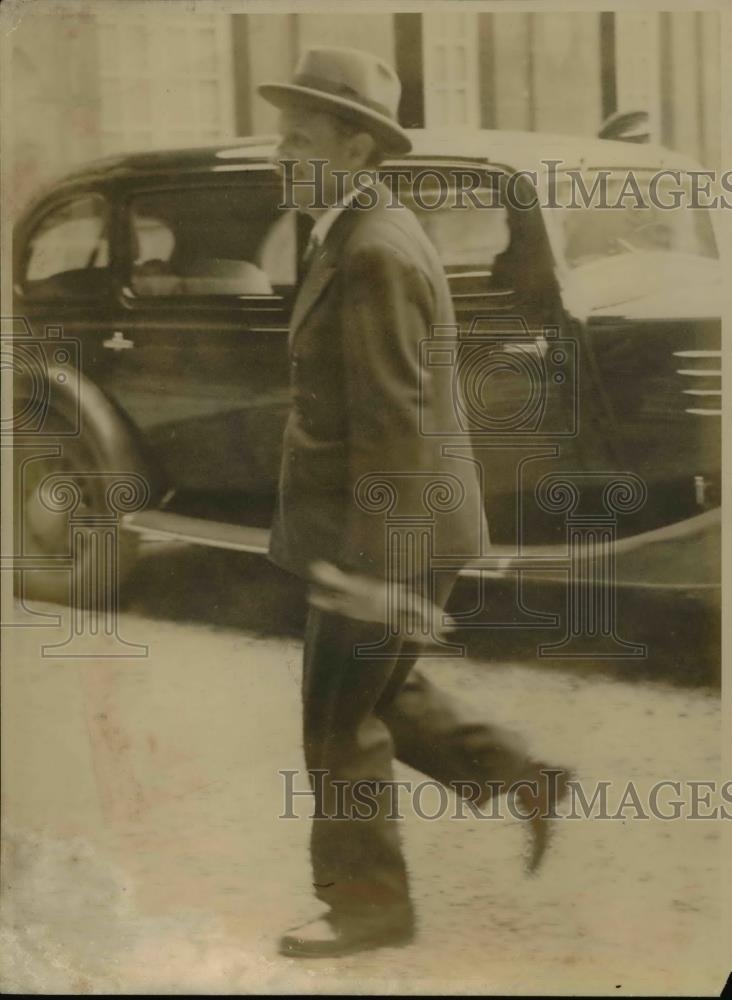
[[55, 493]]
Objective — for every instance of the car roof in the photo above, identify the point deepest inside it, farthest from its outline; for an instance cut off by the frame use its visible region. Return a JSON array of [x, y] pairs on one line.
[[514, 150], [527, 150]]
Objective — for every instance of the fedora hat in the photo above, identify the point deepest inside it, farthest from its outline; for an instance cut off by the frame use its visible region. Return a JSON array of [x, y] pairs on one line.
[[352, 84]]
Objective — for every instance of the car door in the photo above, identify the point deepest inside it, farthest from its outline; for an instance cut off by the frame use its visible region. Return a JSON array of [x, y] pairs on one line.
[[513, 386], [198, 356]]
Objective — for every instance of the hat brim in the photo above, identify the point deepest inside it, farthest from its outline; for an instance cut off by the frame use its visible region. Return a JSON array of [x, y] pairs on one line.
[[391, 137]]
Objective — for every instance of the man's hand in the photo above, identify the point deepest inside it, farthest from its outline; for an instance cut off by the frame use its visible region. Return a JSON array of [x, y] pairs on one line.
[[368, 599]]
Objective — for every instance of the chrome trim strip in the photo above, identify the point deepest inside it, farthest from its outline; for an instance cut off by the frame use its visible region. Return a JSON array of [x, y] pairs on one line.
[[481, 295], [471, 274], [262, 167]]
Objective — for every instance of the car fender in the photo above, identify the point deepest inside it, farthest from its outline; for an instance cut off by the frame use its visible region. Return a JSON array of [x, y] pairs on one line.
[[107, 431]]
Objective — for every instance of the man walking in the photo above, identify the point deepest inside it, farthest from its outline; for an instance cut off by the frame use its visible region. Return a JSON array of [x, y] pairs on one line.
[[354, 455]]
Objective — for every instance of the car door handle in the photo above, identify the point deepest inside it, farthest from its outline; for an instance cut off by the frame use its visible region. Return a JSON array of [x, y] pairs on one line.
[[118, 342]]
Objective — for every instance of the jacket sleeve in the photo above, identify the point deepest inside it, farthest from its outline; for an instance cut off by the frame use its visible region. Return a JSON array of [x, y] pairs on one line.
[[387, 308]]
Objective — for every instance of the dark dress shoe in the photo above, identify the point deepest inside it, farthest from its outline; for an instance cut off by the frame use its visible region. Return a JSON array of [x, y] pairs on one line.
[[331, 936], [552, 785]]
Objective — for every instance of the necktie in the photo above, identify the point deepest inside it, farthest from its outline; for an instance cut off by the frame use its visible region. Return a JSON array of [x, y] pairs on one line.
[[313, 245]]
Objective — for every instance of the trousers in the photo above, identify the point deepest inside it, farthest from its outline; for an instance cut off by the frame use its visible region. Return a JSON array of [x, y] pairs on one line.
[[359, 714]]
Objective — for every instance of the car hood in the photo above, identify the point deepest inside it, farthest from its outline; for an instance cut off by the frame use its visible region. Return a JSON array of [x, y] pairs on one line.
[[645, 285]]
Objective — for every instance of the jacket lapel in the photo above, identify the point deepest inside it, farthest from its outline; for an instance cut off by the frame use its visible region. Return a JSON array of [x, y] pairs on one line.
[[316, 280], [323, 267]]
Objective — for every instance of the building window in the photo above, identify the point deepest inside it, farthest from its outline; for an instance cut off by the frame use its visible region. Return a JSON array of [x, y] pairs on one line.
[[165, 77], [450, 42], [637, 57]]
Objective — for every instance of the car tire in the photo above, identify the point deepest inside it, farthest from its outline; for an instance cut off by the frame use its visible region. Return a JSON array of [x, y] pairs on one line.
[[62, 484]]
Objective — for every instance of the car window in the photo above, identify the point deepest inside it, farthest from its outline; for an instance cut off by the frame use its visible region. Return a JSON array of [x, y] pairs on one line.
[[497, 257], [466, 238], [471, 236], [68, 252], [227, 241]]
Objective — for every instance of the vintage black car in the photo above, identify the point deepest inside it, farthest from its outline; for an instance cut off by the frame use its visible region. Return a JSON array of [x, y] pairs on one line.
[[152, 293]]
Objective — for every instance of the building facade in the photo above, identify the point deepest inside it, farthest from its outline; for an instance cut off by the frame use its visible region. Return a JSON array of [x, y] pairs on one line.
[[138, 76]]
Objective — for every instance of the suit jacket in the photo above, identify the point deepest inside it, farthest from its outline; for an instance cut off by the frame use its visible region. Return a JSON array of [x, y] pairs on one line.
[[376, 476]]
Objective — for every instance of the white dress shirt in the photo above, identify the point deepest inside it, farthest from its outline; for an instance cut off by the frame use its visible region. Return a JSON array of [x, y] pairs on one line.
[[325, 221]]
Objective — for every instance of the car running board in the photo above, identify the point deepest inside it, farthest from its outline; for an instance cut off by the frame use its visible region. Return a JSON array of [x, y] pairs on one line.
[[161, 525], [549, 561]]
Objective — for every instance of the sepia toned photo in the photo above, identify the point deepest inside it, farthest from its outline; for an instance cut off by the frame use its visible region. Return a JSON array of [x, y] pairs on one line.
[[362, 464]]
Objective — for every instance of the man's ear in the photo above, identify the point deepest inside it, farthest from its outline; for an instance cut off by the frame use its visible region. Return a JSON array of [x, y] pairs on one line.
[[362, 145]]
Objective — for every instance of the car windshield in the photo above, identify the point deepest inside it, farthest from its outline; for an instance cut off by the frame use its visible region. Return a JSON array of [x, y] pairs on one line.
[[593, 232]]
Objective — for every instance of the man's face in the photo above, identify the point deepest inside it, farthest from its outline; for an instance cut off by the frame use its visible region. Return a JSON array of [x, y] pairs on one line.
[[314, 135]]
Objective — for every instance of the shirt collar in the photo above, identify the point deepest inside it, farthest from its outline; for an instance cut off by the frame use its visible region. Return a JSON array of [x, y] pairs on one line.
[[325, 221]]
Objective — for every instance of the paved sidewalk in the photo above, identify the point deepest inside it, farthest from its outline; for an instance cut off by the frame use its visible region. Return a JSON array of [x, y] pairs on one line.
[[145, 854]]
